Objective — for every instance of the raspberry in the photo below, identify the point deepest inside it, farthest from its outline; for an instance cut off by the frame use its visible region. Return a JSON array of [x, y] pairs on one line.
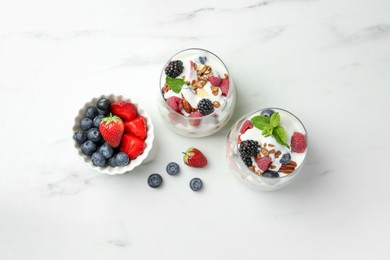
[[174, 68], [263, 163], [195, 122], [247, 160], [247, 125], [175, 103], [224, 87], [205, 106], [249, 148], [215, 81], [298, 142]]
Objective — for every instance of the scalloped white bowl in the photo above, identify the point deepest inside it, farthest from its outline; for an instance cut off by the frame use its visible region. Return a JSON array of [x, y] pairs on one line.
[[133, 163]]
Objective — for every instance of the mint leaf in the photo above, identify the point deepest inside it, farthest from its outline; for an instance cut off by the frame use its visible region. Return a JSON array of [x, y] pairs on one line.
[[267, 131], [280, 136], [261, 122], [275, 119], [175, 84]]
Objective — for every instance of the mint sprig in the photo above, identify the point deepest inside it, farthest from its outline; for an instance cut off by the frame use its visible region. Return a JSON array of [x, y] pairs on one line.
[[271, 126], [175, 84]]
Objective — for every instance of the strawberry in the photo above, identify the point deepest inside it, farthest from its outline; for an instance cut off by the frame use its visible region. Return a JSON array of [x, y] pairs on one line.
[[124, 110], [224, 86], [132, 146], [215, 81], [298, 142], [111, 128], [263, 162], [137, 127], [194, 158]]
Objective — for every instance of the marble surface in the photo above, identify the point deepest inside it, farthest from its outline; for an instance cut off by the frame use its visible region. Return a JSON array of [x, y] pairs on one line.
[[328, 62]]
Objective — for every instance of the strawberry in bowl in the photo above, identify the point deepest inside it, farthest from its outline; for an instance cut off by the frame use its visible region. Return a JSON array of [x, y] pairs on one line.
[[112, 134]]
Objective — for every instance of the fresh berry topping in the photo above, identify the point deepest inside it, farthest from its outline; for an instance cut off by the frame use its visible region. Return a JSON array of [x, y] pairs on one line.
[[263, 162], [196, 184], [103, 112], [106, 150], [298, 142], [112, 129], [205, 106], [174, 68], [122, 159], [155, 180], [247, 160], [286, 158], [225, 84], [249, 148], [195, 122], [215, 81], [94, 135], [175, 103], [98, 159], [125, 110], [97, 120], [267, 112], [194, 158], [202, 59], [137, 127], [80, 137], [86, 123], [245, 126], [270, 174], [91, 112], [88, 148], [173, 168], [103, 104], [112, 162], [132, 146]]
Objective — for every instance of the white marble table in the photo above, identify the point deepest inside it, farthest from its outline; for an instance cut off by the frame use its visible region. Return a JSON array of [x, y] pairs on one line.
[[326, 61]]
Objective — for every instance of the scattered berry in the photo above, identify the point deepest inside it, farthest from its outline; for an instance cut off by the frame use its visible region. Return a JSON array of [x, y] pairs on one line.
[[136, 127], [173, 168], [298, 142], [205, 106], [88, 148], [245, 126], [249, 148], [125, 110], [215, 81], [97, 120], [270, 174], [194, 158], [86, 123], [106, 150], [247, 160], [263, 162], [122, 159], [103, 112], [267, 112], [80, 137], [175, 103], [112, 162], [98, 159], [155, 180], [91, 112], [112, 129], [225, 85], [202, 59], [286, 158], [94, 135], [174, 68], [195, 122], [132, 146], [103, 104], [196, 184]]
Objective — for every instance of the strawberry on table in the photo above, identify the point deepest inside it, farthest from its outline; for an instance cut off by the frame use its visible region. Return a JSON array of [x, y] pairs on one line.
[[125, 110], [111, 128], [132, 146], [194, 158], [136, 127]]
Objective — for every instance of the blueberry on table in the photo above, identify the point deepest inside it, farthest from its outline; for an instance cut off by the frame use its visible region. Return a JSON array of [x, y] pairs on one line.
[[172, 168], [88, 148], [286, 158], [267, 112], [196, 184], [112, 162], [103, 104], [98, 159], [91, 112], [97, 120], [80, 137], [94, 135], [155, 180], [86, 123], [270, 174], [106, 150], [122, 159]]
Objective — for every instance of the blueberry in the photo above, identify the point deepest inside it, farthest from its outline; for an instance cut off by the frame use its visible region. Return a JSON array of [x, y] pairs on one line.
[[111, 162], [270, 174], [122, 159], [267, 112], [286, 158], [172, 168], [88, 147], [155, 180], [106, 150], [80, 137], [91, 112], [202, 59], [86, 123], [97, 120], [98, 159], [196, 184], [103, 112], [103, 104], [94, 135]]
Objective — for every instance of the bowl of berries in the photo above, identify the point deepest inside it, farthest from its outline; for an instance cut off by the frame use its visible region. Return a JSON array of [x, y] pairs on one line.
[[113, 134]]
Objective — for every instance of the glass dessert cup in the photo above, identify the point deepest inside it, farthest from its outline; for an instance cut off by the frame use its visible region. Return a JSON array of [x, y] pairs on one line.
[[266, 179], [184, 117]]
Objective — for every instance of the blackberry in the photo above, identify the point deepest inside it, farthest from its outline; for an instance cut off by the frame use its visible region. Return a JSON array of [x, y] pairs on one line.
[[247, 160], [249, 148], [205, 106], [174, 68]]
